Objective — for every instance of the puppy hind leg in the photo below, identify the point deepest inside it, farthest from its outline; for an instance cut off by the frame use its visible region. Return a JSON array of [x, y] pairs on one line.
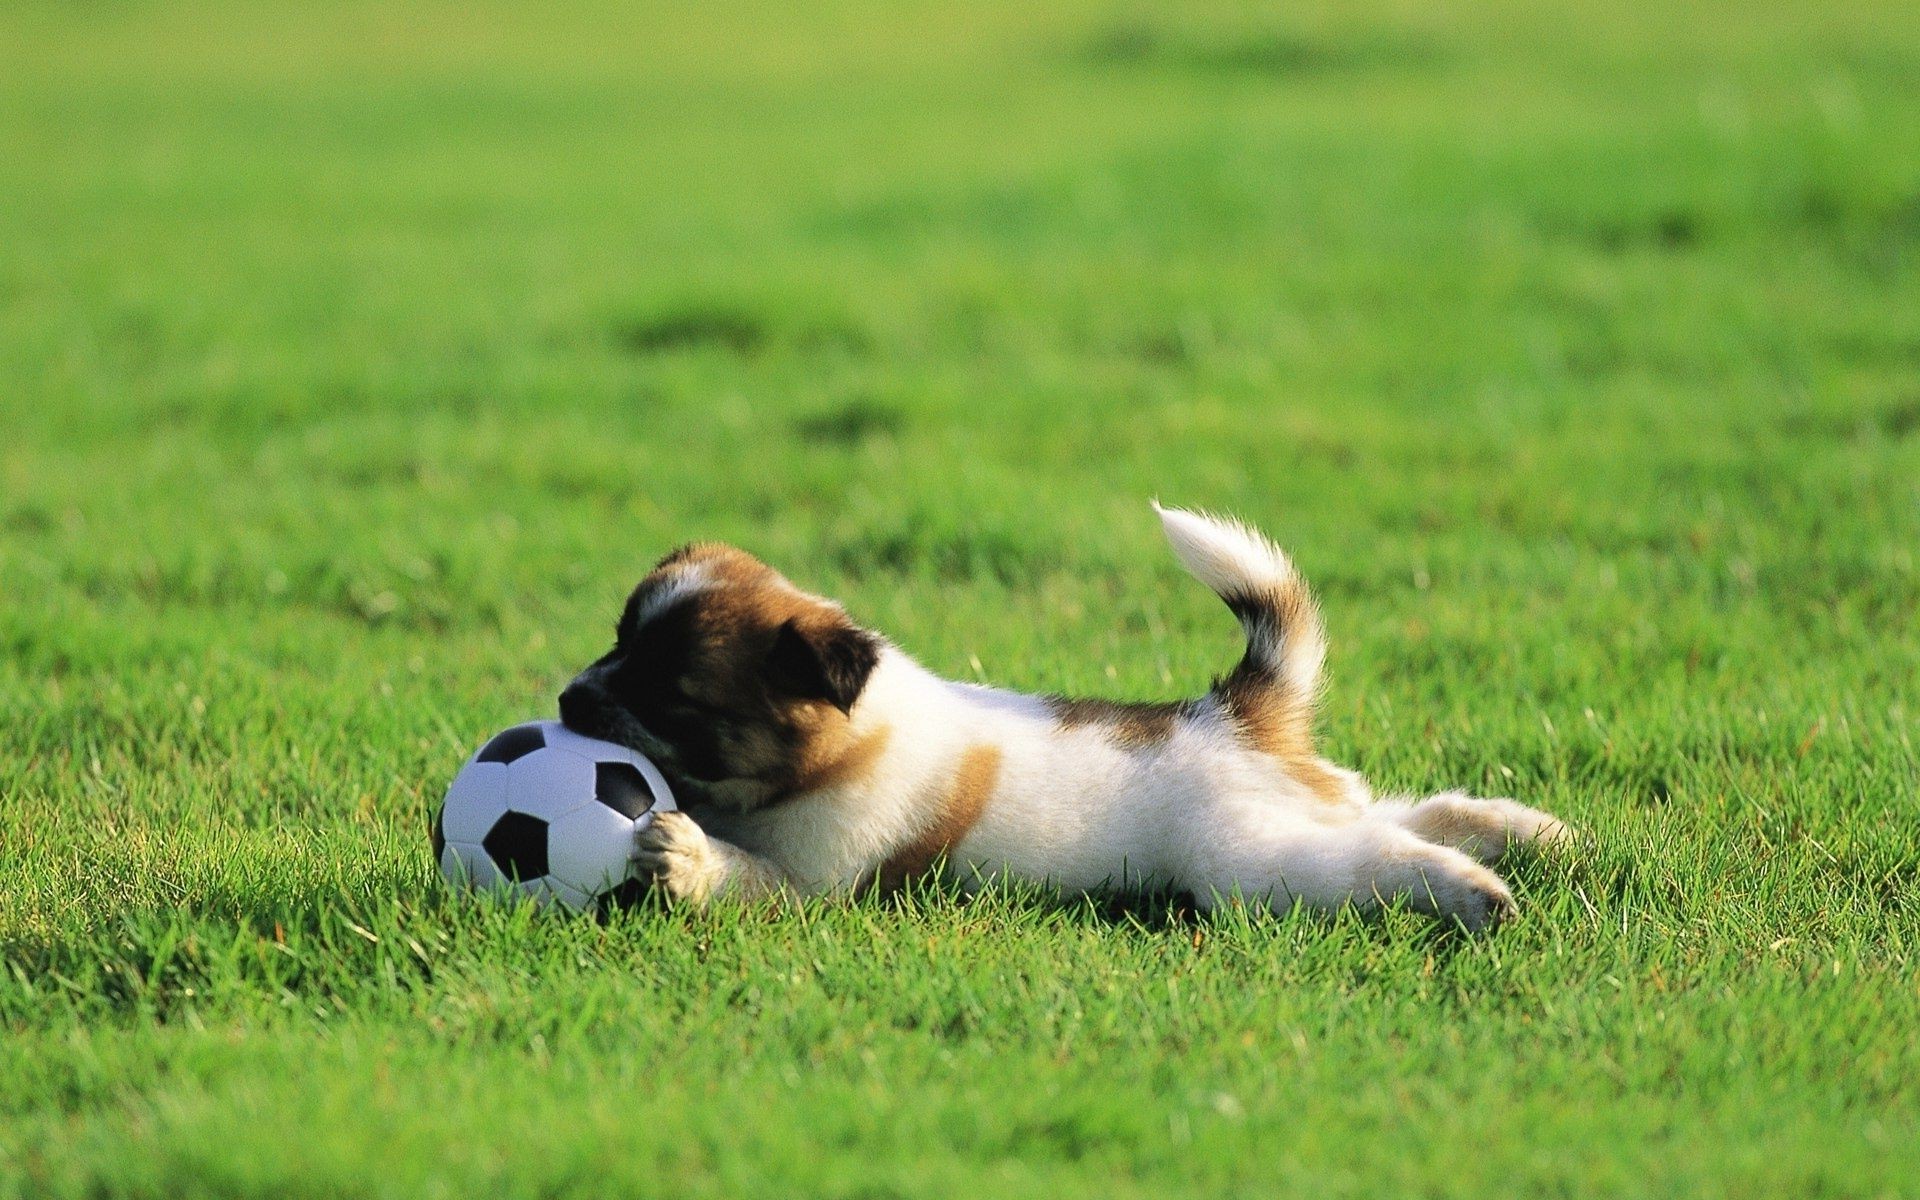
[[1283, 861], [1483, 828]]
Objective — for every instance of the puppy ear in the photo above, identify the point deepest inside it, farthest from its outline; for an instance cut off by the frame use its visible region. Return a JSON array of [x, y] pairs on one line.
[[828, 663]]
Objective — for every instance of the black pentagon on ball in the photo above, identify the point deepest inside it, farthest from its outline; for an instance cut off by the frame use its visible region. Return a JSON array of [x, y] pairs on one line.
[[517, 843], [514, 743], [622, 788], [439, 833]]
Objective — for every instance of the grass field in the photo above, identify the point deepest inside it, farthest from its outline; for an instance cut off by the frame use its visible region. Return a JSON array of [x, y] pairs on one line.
[[355, 358]]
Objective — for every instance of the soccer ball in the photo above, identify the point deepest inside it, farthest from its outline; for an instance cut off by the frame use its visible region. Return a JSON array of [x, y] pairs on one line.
[[542, 811]]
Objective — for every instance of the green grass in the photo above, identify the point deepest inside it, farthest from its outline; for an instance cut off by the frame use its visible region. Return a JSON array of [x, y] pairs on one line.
[[355, 358]]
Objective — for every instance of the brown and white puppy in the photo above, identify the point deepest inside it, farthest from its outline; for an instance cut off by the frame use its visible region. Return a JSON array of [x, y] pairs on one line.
[[811, 754]]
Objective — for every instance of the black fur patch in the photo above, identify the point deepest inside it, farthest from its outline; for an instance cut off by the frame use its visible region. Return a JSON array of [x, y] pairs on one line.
[[692, 730], [660, 650], [831, 665], [1255, 614]]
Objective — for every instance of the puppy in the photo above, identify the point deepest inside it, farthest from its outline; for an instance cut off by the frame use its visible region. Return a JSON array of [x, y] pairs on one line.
[[810, 754]]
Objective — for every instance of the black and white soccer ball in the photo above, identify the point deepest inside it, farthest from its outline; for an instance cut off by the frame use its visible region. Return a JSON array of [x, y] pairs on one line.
[[544, 812]]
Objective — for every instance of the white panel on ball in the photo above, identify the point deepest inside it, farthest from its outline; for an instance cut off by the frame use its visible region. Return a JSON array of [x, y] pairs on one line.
[[549, 783], [590, 848], [474, 802]]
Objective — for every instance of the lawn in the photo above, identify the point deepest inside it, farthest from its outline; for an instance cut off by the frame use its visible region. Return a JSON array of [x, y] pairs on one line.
[[356, 358]]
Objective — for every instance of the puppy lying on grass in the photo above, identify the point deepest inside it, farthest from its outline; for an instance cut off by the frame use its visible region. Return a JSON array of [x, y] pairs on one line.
[[812, 754]]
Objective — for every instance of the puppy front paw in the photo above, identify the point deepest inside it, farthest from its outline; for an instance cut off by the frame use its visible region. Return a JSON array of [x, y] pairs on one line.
[[675, 856]]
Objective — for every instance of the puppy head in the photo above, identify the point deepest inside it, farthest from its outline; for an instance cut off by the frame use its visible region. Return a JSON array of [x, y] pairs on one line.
[[737, 683]]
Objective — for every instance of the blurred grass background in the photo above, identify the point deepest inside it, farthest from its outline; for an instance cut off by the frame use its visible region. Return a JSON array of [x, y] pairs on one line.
[[355, 359]]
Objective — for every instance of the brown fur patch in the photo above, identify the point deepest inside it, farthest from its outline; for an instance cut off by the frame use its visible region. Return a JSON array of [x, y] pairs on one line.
[[835, 762], [966, 798], [1134, 726], [1274, 723]]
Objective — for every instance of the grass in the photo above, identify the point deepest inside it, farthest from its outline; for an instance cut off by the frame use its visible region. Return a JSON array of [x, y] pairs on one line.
[[354, 360]]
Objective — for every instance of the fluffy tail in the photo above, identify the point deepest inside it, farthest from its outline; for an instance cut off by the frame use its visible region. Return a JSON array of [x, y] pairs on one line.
[[1272, 690]]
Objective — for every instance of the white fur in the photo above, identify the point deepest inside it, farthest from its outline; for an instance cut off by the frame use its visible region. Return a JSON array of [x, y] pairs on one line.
[[1200, 811], [684, 582]]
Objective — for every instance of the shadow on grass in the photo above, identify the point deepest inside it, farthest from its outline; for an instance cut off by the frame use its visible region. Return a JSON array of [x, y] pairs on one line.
[[1271, 53], [393, 937], [1150, 913], [730, 328], [851, 424]]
